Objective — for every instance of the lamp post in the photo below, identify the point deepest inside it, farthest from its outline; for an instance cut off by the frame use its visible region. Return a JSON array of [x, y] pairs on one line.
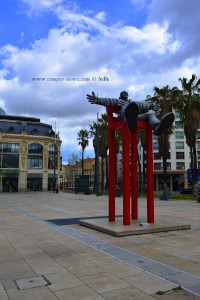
[[97, 156], [54, 163]]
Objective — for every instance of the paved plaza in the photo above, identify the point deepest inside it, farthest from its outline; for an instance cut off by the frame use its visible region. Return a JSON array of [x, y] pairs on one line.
[[46, 254]]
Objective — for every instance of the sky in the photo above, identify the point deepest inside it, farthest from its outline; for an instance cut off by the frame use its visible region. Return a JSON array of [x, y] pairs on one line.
[[54, 52]]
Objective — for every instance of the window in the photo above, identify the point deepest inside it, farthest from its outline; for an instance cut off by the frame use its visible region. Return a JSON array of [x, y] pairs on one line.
[[50, 162], [52, 149], [11, 129], [198, 145], [34, 182], [34, 132], [179, 135], [178, 124], [53, 157], [35, 148], [155, 146], [180, 155], [157, 155], [168, 166], [35, 162], [157, 166], [180, 166], [10, 148], [179, 145], [9, 157], [198, 154], [198, 135], [35, 159], [9, 161], [155, 138], [51, 133], [177, 114]]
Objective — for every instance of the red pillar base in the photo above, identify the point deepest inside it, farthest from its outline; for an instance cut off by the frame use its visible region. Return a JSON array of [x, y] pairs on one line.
[[130, 181]]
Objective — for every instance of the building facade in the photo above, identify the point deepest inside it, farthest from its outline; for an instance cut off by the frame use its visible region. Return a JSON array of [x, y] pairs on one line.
[[178, 160], [70, 171], [29, 155]]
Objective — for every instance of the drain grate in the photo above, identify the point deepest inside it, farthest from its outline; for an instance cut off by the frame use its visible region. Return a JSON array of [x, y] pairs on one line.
[[74, 221], [32, 282]]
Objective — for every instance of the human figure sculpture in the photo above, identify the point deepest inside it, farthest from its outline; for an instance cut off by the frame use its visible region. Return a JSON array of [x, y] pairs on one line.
[[133, 111]]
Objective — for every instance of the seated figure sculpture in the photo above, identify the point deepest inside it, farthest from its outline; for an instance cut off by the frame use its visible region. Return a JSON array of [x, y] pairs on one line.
[[129, 111]]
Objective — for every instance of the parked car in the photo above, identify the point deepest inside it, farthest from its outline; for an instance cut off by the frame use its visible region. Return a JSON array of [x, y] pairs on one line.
[[187, 191]]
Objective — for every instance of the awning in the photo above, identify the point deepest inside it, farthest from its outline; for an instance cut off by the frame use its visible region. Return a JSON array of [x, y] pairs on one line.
[[9, 170]]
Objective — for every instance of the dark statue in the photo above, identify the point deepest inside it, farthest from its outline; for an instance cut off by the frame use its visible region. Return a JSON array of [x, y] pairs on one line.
[[133, 111]]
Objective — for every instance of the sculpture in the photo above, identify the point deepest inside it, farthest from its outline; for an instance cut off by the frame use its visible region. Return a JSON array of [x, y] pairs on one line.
[[133, 111]]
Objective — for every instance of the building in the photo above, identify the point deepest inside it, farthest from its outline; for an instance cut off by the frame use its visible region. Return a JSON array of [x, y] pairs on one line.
[[29, 154], [178, 161], [70, 171]]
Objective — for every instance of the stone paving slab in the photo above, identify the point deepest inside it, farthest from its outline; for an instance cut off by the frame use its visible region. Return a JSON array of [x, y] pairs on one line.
[[136, 227], [137, 267], [28, 283]]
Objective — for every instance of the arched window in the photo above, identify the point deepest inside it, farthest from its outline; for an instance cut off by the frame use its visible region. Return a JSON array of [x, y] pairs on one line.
[[35, 148]]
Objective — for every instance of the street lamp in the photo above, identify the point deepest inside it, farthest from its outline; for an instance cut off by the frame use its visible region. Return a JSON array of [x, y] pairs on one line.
[[97, 156], [54, 162]]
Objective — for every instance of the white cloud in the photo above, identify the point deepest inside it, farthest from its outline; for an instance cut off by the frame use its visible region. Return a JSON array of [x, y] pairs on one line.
[[101, 16], [37, 7], [151, 38], [136, 59]]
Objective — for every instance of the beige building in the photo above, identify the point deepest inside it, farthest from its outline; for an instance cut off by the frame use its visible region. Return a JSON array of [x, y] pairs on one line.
[[29, 155], [70, 171]]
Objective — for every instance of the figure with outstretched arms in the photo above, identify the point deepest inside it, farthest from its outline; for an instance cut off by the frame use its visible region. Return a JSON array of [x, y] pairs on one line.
[[133, 111]]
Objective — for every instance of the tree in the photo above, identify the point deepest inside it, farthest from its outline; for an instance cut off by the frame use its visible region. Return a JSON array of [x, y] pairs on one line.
[[165, 97], [100, 142], [142, 176], [188, 104], [83, 136], [73, 161], [103, 143]]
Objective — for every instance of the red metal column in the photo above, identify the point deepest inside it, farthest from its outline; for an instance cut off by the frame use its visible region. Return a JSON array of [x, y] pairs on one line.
[[150, 181], [134, 181], [112, 173], [126, 174]]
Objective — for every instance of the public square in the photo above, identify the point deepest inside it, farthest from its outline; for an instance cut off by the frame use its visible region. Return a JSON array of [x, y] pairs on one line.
[[42, 260]]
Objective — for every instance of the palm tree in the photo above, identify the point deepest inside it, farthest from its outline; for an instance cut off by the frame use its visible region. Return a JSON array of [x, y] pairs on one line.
[[188, 104], [102, 141], [142, 176], [165, 97], [83, 136], [103, 145], [93, 133]]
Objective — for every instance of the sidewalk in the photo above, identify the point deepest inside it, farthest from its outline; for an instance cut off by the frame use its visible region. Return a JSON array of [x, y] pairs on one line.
[[40, 260]]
